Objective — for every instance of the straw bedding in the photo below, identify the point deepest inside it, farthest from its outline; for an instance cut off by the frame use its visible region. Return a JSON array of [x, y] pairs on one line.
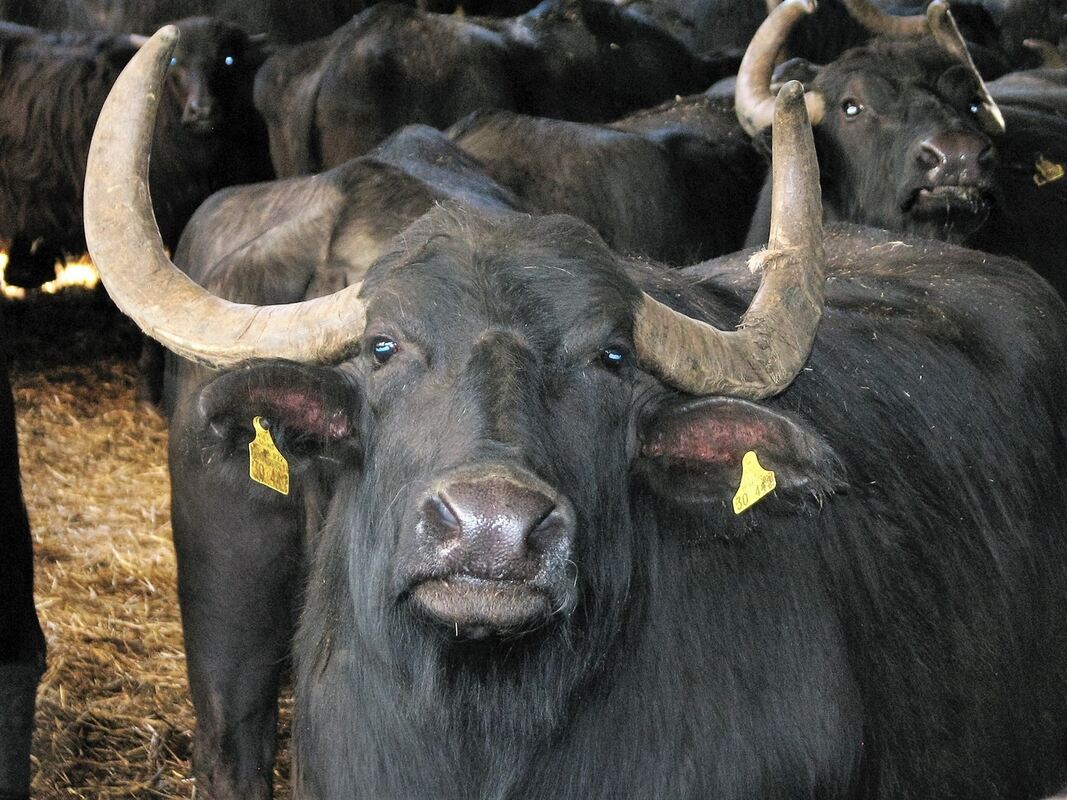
[[113, 712]]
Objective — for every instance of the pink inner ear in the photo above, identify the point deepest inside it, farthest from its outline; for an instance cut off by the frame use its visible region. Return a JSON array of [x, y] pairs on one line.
[[303, 410], [708, 439]]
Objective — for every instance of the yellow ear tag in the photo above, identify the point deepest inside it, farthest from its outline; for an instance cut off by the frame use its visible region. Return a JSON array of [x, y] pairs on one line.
[[1047, 171], [266, 464], [756, 483]]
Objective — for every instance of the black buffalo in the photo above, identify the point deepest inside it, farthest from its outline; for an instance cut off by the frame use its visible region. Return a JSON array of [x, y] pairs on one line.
[[677, 183], [517, 454], [53, 84], [21, 642], [332, 99], [283, 21], [1000, 28], [910, 140]]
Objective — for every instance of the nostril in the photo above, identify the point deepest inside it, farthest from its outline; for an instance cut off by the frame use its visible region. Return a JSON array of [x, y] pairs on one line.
[[445, 513], [929, 155], [987, 157], [439, 519], [547, 531]]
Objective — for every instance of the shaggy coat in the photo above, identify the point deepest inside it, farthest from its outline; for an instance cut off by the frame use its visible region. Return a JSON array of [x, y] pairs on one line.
[[887, 624]]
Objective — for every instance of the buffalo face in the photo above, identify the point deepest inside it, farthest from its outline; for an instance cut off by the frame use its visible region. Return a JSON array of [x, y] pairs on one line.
[[900, 143], [484, 499], [212, 70]]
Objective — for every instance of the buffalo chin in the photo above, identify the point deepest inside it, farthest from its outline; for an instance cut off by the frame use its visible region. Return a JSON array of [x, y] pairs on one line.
[[477, 608]]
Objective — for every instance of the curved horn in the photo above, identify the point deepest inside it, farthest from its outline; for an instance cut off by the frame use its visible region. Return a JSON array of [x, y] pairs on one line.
[[944, 30], [768, 350], [753, 101], [126, 247], [1051, 56], [880, 23]]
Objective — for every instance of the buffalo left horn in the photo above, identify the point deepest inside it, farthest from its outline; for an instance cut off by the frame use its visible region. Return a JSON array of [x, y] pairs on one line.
[[126, 247], [769, 348], [753, 102]]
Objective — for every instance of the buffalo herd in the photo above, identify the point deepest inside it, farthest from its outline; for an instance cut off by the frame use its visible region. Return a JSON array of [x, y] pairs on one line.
[[588, 399]]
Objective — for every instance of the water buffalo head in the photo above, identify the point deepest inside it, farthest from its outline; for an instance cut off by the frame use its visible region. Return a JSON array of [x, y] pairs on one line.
[[212, 71], [495, 393], [906, 128]]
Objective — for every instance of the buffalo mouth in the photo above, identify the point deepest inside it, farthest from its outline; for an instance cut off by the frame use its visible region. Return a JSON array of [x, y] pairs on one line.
[[477, 607], [204, 126], [950, 202]]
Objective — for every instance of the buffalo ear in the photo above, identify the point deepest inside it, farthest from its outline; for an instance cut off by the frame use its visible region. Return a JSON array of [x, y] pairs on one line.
[[692, 451], [310, 411]]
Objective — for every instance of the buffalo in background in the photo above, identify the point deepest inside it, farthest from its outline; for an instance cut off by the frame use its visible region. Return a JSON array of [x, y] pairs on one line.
[[283, 21], [706, 26], [53, 85], [910, 139], [22, 645], [677, 183], [586, 60]]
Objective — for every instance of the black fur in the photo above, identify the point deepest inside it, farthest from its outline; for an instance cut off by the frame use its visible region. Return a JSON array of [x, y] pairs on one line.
[[888, 624], [329, 100], [21, 642], [677, 183]]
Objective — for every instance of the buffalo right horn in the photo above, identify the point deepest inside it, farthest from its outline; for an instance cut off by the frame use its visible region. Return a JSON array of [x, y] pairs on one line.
[[126, 247], [770, 347], [878, 22], [753, 101]]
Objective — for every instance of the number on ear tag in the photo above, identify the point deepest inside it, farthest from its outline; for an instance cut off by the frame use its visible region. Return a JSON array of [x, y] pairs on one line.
[[756, 483]]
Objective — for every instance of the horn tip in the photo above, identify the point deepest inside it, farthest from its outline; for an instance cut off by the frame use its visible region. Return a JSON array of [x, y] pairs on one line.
[[168, 34], [807, 6], [936, 9], [790, 103]]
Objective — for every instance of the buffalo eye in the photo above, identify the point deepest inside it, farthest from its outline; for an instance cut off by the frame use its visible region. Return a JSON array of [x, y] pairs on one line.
[[975, 106], [613, 357], [382, 349], [851, 108], [174, 61], [229, 61]]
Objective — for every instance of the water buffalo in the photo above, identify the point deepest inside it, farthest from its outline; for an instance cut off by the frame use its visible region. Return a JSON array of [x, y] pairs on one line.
[[333, 99], [538, 564], [910, 139], [53, 85], [715, 25], [283, 20], [677, 183], [21, 642]]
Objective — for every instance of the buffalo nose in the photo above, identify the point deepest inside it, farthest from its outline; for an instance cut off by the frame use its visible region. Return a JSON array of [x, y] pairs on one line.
[[196, 110], [956, 153], [496, 525]]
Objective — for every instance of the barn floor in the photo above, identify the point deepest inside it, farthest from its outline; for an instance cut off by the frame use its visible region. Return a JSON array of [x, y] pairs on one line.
[[113, 714]]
